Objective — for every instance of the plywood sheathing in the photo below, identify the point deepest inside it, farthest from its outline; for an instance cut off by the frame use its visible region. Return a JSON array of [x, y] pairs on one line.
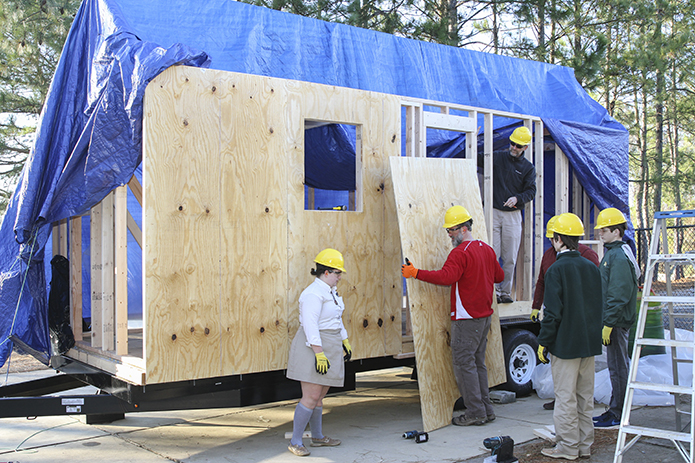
[[424, 189], [227, 242]]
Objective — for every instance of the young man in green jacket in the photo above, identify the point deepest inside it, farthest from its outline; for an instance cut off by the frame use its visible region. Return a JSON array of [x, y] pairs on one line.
[[571, 332], [619, 276]]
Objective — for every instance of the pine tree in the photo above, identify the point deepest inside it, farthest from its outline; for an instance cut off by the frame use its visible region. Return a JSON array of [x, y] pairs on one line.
[[33, 34]]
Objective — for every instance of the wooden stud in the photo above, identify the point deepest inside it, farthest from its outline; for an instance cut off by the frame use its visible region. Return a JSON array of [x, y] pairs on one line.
[[539, 204], [488, 172], [108, 301], [524, 264], [96, 273], [586, 216], [472, 137], [121, 269], [561, 182], [76, 276]]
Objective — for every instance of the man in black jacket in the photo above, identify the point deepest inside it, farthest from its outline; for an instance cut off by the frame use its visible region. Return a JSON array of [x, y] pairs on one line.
[[513, 185]]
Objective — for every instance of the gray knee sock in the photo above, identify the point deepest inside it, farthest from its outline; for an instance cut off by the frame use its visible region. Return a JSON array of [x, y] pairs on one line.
[[315, 423], [301, 419]]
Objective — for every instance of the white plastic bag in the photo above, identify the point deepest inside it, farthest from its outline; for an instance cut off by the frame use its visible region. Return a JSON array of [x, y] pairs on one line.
[[542, 380]]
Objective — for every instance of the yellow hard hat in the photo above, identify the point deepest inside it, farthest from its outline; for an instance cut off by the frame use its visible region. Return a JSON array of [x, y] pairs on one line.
[[521, 136], [608, 217], [331, 258], [549, 227], [568, 224], [456, 215]]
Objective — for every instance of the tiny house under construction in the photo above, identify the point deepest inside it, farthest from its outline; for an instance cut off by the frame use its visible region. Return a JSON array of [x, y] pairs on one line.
[[229, 222]]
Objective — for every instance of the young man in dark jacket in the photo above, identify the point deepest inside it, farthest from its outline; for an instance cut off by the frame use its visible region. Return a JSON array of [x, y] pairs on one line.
[[571, 332], [619, 276], [548, 260]]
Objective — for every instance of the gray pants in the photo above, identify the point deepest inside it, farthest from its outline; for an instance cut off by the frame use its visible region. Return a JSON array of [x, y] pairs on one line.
[[468, 344], [618, 366], [506, 238]]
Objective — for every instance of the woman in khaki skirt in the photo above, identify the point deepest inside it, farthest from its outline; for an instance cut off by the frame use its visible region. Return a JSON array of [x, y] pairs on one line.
[[316, 355]]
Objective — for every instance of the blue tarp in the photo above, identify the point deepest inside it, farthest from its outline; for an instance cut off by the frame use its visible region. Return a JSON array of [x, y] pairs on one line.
[[89, 135]]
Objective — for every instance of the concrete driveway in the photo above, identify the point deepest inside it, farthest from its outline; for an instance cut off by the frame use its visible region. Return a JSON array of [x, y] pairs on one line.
[[370, 422]]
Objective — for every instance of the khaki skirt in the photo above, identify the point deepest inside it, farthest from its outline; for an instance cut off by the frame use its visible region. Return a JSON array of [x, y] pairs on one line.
[[301, 365]]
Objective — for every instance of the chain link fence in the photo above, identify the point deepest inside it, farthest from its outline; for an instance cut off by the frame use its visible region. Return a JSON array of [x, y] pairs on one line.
[[681, 240]]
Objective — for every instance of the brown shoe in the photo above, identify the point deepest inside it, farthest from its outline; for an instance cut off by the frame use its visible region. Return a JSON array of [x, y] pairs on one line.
[[549, 405], [299, 450], [463, 420], [325, 442]]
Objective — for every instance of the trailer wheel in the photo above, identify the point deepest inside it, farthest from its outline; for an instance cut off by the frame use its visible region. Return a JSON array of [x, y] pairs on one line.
[[520, 358]]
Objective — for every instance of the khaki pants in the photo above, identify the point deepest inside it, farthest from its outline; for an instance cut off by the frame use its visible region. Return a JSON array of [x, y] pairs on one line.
[[506, 238], [573, 381]]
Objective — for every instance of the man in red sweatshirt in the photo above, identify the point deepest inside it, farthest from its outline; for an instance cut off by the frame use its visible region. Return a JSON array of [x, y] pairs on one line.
[[471, 269], [549, 259]]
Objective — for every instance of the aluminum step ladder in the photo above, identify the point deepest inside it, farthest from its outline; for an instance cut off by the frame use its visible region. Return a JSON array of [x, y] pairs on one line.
[[681, 437]]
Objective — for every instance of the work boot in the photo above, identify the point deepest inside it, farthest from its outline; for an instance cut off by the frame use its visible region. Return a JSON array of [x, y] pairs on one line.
[[463, 420]]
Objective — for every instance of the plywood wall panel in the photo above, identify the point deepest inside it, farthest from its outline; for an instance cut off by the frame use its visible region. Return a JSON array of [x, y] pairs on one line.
[[424, 189], [182, 226], [254, 225], [232, 145]]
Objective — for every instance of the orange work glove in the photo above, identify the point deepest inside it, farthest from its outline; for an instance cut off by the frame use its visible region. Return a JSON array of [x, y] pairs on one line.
[[407, 270]]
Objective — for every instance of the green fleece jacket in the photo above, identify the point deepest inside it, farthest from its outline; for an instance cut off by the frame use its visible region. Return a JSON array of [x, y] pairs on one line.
[[619, 284], [572, 320]]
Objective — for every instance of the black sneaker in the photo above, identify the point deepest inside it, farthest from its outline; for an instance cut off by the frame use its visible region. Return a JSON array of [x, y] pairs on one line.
[[504, 299], [603, 416]]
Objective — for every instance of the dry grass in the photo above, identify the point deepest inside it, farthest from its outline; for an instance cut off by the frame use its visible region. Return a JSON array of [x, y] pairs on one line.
[[604, 441]]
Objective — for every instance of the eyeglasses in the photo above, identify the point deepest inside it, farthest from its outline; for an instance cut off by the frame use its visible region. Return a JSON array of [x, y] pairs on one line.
[[516, 145], [337, 272], [453, 229]]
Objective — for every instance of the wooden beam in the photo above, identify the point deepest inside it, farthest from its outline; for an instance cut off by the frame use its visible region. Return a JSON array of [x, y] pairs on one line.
[[561, 182], [472, 138], [488, 173], [134, 229], [586, 216], [136, 188], [96, 272], [60, 238], [449, 122], [107, 282], [524, 263], [539, 205], [121, 270], [76, 276]]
